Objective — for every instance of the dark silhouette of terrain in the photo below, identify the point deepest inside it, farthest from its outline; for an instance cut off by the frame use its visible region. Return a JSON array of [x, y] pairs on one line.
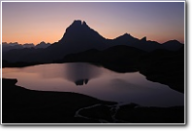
[[9, 46], [28, 45], [79, 37], [42, 45], [162, 63], [21, 105], [119, 58], [164, 66], [14, 46]]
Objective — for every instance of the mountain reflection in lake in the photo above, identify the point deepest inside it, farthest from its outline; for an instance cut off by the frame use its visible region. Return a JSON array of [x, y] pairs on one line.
[[95, 81], [81, 73]]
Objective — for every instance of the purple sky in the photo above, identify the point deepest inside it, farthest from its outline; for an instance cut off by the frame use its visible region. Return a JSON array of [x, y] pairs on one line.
[[30, 22]]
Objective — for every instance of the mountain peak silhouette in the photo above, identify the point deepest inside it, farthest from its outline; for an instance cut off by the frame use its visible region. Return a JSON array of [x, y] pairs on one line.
[[80, 33], [84, 24], [125, 38], [144, 39], [126, 34], [172, 45], [78, 37], [78, 23]]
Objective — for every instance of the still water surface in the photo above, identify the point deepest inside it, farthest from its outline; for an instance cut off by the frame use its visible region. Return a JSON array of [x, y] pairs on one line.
[[97, 82]]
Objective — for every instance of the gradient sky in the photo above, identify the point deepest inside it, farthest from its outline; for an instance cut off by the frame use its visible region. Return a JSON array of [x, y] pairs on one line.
[[30, 22]]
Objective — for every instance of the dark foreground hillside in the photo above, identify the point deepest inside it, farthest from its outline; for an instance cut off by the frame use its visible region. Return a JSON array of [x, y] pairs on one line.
[[21, 105]]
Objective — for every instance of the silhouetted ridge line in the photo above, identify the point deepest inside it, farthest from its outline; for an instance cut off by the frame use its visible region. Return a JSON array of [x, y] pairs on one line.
[[79, 37]]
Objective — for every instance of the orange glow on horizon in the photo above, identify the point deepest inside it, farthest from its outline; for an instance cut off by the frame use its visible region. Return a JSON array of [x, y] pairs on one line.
[[49, 37]]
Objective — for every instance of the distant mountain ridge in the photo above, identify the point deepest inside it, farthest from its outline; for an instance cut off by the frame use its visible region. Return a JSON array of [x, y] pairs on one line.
[[15, 45], [79, 37]]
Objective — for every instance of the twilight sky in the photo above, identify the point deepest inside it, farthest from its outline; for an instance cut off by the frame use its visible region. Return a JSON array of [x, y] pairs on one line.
[[30, 22]]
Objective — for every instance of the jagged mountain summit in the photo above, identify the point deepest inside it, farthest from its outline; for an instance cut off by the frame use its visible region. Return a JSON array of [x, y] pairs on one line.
[[80, 32], [79, 37]]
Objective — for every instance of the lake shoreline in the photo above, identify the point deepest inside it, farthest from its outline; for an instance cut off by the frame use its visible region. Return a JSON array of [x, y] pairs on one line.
[[162, 66]]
